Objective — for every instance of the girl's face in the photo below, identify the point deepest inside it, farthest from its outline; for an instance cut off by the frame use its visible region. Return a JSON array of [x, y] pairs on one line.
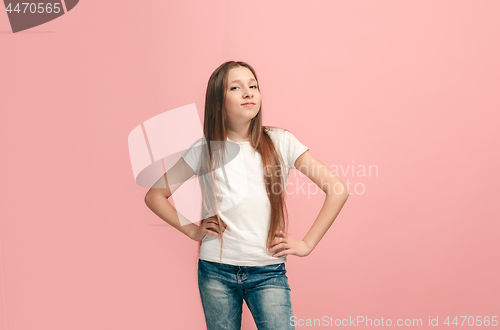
[[241, 88]]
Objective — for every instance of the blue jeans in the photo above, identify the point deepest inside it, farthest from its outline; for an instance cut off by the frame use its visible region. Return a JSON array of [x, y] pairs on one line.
[[265, 289]]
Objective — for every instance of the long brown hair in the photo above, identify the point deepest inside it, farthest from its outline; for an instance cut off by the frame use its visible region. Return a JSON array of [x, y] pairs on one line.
[[215, 129]]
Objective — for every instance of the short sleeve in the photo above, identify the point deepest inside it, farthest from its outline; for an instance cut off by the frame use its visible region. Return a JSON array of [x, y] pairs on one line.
[[192, 156], [292, 148]]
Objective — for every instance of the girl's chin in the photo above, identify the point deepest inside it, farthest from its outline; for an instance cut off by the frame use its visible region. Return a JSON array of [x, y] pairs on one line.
[[250, 113]]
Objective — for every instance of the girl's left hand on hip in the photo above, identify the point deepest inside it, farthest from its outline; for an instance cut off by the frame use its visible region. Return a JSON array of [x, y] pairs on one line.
[[290, 246]]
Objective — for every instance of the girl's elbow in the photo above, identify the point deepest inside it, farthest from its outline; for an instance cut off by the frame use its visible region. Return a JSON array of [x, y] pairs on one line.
[[147, 200]]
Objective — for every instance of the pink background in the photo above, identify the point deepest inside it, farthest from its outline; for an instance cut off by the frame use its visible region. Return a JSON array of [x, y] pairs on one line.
[[410, 87]]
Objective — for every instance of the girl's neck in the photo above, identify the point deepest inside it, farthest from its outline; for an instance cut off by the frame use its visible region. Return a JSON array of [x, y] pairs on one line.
[[241, 135]]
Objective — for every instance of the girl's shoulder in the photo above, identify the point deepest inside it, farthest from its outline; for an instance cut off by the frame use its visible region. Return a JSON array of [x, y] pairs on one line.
[[278, 134], [283, 137], [199, 142], [275, 131]]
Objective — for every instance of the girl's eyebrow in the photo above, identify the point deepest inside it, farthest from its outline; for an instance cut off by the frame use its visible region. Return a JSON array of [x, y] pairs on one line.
[[240, 80]]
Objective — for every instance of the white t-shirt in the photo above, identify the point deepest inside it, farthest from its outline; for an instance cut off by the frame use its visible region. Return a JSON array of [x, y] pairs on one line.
[[245, 206]]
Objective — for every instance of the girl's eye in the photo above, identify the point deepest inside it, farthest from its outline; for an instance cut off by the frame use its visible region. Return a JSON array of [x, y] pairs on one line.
[[250, 86]]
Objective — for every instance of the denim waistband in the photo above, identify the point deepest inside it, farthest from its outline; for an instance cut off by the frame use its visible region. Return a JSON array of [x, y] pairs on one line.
[[235, 268]]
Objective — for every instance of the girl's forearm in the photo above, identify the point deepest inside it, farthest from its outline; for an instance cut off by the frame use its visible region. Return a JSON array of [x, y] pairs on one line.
[[165, 211], [331, 208]]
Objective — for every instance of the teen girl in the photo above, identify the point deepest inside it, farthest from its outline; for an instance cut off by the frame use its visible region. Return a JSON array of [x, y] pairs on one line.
[[244, 247]]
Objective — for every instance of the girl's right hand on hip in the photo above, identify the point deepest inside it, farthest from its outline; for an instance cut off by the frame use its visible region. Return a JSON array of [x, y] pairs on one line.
[[209, 226]]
